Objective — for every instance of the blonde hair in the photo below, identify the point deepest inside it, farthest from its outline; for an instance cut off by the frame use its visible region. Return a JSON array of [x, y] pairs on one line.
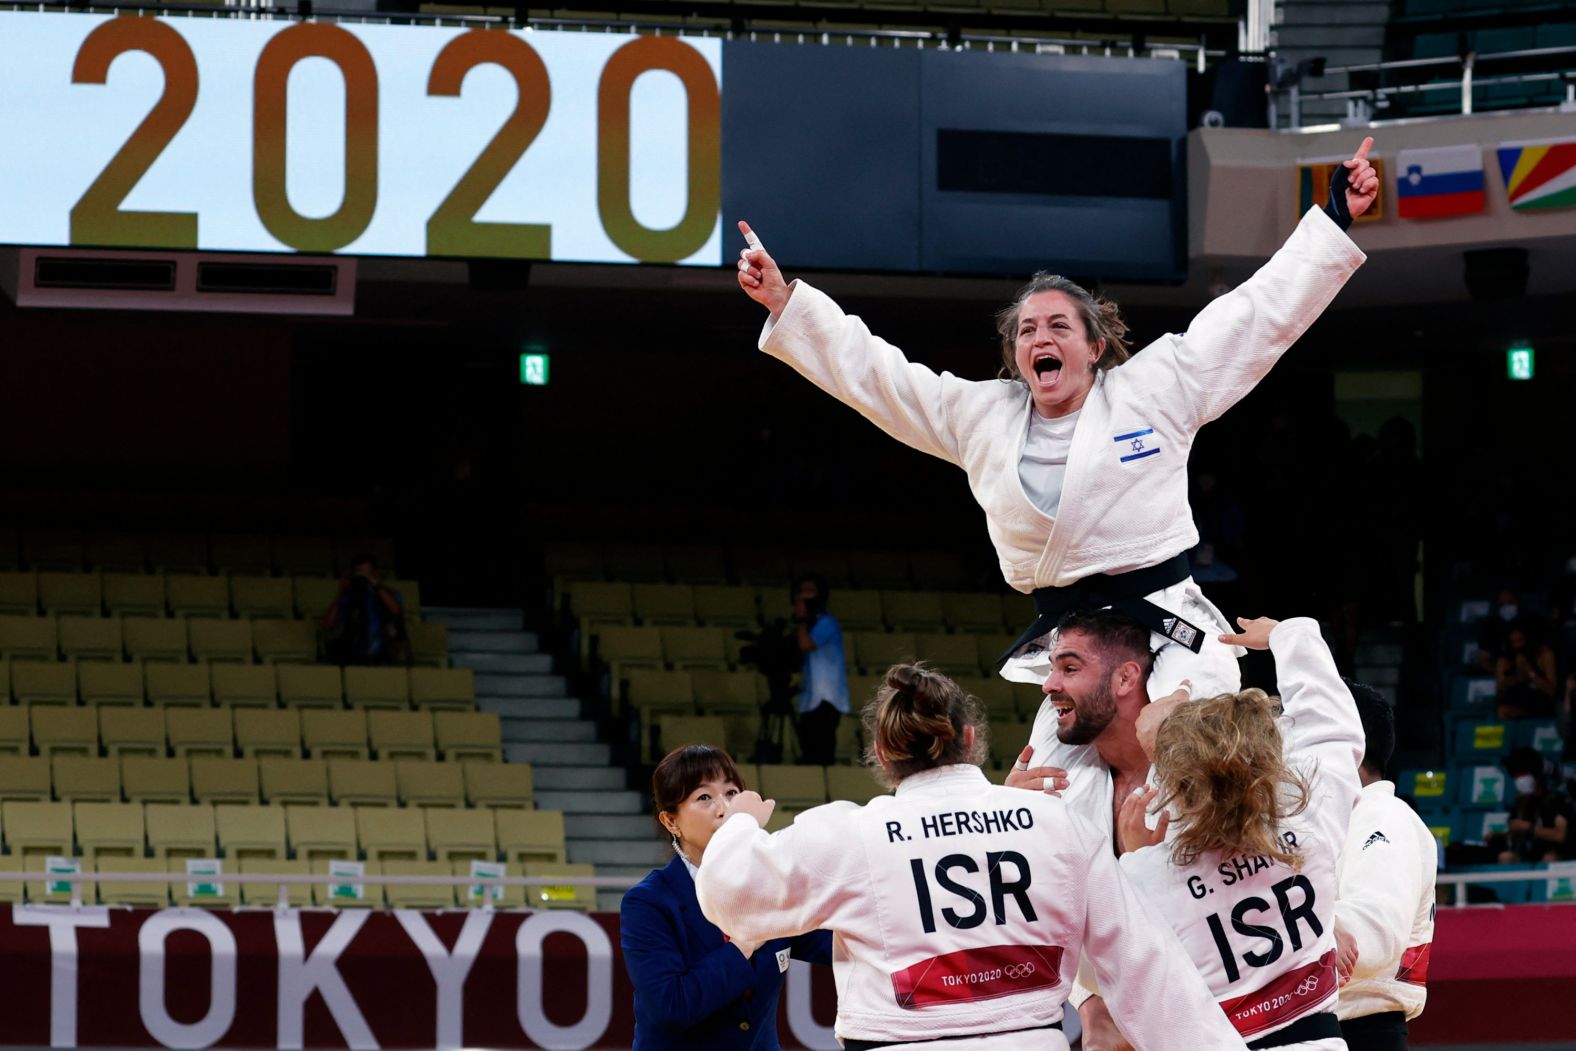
[[917, 719], [1220, 767], [1102, 320]]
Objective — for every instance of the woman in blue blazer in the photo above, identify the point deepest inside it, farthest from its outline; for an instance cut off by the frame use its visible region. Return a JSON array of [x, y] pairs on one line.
[[694, 989]]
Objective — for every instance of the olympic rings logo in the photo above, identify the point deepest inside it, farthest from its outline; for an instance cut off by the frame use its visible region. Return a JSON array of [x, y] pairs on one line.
[[1018, 970], [1308, 985]]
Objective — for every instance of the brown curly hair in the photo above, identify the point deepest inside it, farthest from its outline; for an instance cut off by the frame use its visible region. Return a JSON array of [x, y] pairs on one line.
[[1220, 766], [1102, 320], [917, 717]]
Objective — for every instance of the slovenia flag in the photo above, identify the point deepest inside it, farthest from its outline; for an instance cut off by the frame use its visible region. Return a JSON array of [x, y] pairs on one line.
[[1438, 182]]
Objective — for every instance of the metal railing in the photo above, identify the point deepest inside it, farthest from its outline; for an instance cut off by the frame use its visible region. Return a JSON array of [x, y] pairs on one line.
[[1461, 880]]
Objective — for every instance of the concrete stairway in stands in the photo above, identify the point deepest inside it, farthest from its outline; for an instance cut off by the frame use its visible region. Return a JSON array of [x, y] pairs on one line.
[[605, 820]]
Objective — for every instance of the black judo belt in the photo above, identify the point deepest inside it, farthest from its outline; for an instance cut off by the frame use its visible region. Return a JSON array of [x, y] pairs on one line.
[[940, 1041], [1321, 1026], [1123, 592]]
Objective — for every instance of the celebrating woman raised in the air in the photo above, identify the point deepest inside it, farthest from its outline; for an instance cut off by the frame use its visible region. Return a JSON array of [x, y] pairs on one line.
[[1078, 453]]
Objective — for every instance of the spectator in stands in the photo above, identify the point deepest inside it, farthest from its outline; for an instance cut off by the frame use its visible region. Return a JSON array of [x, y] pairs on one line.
[[694, 989], [365, 624], [1491, 637], [1524, 675], [823, 700], [1540, 818]]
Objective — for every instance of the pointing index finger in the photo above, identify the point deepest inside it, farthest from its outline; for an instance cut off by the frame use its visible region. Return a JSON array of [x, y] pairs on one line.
[[1362, 151]]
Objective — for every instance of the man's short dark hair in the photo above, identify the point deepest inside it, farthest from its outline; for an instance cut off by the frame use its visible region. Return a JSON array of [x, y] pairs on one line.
[[822, 592], [1378, 726], [1118, 636]]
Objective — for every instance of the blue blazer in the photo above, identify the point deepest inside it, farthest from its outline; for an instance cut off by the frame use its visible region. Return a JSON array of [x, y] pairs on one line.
[[694, 991]]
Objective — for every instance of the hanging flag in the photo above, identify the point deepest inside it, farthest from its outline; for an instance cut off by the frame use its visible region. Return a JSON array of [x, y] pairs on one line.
[[1439, 182], [1313, 186], [1539, 174]]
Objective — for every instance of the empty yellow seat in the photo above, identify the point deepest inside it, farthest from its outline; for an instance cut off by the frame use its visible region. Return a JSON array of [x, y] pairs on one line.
[[581, 898], [949, 654], [696, 564], [377, 688], [252, 596], [241, 552], [685, 648], [43, 683], [429, 643], [297, 895], [794, 787], [70, 593], [24, 778], [362, 782], [878, 651], [310, 686], [595, 603], [155, 639], [294, 781], [263, 732], [853, 782], [313, 595], [65, 731], [110, 683], [178, 552], [857, 610], [443, 688], [28, 638], [994, 692], [916, 611], [531, 835], [19, 592], [401, 735], [229, 892], [718, 692], [110, 829], [140, 594], [512, 897], [334, 734], [462, 835], [148, 894], [489, 784], [176, 685], [54, 892], [317, 833], [285, 641], [15, 734], [623, 648], [90, 638], [468, 735], [250, 831], [651, 690], [309, 555], [82, 778], [418, 895], [179, 830], [194, 595], [972, 614], [224, 780], [244, 685], [391, 833], [885, 568], [131, 731], [200, 732], [664, 603], [725, 606], [409, 592], [323, 893], [37, 828], [155, 779], [426, 783], [220, 640]]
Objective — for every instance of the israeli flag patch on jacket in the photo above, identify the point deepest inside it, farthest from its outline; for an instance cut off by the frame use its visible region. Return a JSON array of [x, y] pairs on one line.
[[1137, 444]]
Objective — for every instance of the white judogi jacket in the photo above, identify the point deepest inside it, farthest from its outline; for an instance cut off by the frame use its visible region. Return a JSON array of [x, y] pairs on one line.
[[1262, 934], [960, 908], [1387, 905]]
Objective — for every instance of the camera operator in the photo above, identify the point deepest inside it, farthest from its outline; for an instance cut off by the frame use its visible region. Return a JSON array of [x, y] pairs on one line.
[[365, 624], [823, 700]]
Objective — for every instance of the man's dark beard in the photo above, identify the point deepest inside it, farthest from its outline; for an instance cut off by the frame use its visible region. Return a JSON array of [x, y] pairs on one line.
[[1091, 715]]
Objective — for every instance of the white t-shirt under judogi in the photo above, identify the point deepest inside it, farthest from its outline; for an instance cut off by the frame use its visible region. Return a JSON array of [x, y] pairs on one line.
[[1261, 933], [959, 911]]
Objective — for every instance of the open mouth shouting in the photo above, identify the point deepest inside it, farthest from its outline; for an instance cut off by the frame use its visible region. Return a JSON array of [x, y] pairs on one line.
[[1066, 711], [1047, 369]]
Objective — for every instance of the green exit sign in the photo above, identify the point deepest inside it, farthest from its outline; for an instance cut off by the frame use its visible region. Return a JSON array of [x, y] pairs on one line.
[[534, 370], [1518, 362]]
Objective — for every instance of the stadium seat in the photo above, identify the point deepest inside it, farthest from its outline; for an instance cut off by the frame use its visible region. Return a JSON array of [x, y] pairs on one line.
[[228, 894], [423, 782], [155, 779], [24, 778], [1542, 736], [633, 561], [19, 593], [991, 647], [28, 638], [726, 692], [696, 564], [854, 783], [946, 570], [199, 732], [70, 593], [675, 731], [152, 894], [244, 686], [531, 835], [462, 835], [115, 552], [401, 735], [661, 604], [1479, 825], [560, 896], [884, 569], [318, 833], [110, 829], [850, 745], [178, 552], [429, 643], [741, 730], [155, 639], [362, 782], [250, 831], [41, 893], [293, 782], [914, 611], [263, 733], [15, 734], [310, 686], [949, 654], [688, 648], [596, 604], [761, 566], [179, 830], [177, 685], [261, 597], [973, 613], [623, 649], [377, 688], [295, 895], [857, 610], [826, 563], [224, 781], [334, 734], [1427, 788], [220, 640], [468, 735], [37, 828], [110, 684], [418, 895], [285, 641], [877, 651], [136, 594], [794, 787], [391, 833], [304, 556], [409, 592], [65, 731], [477, 896], [313, 595], [43, 683], [451, 689], [1481, 741], [489, 784], [724, 606], [654, 690], [86, 779], [1018, 611], [191, 595], [241, 553], [131, 731], [90, 638], [1483, 787], [371, 893]]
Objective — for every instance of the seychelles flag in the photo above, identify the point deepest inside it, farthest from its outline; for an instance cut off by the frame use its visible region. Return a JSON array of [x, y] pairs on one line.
[[1539, 174], [1438, 182]]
